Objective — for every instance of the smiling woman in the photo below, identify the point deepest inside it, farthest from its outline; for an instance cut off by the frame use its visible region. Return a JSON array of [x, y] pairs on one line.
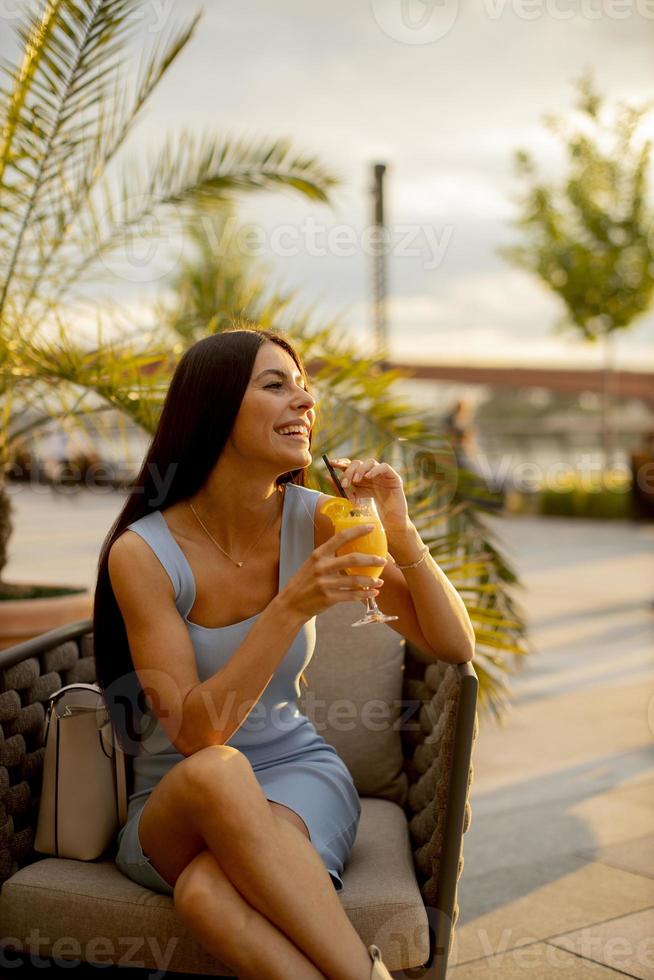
[[215, 447], [206, 603]]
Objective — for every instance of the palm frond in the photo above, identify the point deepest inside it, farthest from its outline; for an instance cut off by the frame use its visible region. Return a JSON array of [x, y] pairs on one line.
[[57, 114], [189, 171], [122, 374], [14, 102], [67, 114], [361, 414], [72, 186]]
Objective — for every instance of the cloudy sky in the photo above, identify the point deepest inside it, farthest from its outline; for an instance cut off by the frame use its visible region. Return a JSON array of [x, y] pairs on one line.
[[443, 94]]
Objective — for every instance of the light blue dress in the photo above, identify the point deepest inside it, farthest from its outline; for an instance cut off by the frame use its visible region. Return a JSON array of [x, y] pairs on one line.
[[294, 765]]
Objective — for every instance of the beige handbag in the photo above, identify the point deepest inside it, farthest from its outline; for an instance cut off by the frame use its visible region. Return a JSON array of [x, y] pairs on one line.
[[84, 791]]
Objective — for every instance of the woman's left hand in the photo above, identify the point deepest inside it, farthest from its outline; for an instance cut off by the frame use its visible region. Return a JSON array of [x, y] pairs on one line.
[[368, 478]]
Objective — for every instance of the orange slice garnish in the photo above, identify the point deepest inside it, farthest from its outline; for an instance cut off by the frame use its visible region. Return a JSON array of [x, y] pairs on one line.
[[334, 509]]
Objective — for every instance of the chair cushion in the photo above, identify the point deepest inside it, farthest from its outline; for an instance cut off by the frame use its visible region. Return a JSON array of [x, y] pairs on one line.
[[354, 698], [90, 911]]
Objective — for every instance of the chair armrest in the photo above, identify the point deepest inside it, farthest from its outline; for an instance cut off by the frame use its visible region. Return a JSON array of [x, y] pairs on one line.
[[438, 765]]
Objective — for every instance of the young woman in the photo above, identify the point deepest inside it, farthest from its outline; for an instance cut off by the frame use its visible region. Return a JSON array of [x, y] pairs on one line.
[[208, 586]]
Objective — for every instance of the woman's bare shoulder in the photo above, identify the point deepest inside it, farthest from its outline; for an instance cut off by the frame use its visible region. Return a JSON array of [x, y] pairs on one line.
[[132, 564]]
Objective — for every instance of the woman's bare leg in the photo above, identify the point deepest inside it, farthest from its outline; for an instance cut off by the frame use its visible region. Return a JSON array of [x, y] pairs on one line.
[[248, 943], [213, 800], [281, 875]]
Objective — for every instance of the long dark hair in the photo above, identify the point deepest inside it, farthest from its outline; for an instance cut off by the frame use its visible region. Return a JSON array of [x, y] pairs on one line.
[[199, 411]]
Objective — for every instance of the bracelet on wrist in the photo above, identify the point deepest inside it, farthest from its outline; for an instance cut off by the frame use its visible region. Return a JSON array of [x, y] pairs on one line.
[[414, 564]]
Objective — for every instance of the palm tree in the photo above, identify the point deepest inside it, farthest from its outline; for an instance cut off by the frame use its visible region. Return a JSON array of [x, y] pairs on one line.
[[67, 377], [67, 201], [357, 411]]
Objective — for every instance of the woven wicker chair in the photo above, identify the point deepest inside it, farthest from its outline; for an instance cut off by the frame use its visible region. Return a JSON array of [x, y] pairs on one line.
[[413, 777]]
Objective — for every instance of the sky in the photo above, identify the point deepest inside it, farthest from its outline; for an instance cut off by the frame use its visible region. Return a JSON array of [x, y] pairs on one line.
[[442, 93]]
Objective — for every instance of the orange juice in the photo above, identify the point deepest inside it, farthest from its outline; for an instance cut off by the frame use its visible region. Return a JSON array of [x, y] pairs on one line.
[[343, 515]]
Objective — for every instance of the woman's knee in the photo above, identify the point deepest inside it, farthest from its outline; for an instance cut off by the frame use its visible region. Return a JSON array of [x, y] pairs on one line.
[[219, 769]]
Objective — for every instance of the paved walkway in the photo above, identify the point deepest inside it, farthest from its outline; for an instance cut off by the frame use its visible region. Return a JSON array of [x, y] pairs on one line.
[[559, 859], [58, 533], [558, 879]]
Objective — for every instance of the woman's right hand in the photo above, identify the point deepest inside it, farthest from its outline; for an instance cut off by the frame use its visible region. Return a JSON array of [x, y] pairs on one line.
[[322, 580]]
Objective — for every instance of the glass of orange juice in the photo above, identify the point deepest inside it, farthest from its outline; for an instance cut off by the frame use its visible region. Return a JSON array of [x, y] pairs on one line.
[[348, 513]]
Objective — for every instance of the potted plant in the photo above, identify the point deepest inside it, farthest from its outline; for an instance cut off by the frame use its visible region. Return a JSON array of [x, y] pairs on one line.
[[27, 608]]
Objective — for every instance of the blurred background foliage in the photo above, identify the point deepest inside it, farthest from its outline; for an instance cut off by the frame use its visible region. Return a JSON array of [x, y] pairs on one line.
[[67, 203], [588, 236]]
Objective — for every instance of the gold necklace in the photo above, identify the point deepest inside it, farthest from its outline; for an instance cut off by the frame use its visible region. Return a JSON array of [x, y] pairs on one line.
[[206, 529]]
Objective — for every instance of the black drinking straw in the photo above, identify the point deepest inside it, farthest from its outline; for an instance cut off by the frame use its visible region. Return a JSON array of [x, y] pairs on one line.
[[334, 476]]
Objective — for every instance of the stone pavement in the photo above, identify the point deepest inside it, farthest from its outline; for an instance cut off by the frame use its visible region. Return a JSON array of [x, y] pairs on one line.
[[559, 858], [558, 880]]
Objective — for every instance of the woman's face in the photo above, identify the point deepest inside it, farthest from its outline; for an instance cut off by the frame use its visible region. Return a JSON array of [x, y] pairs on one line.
[[275, 397]]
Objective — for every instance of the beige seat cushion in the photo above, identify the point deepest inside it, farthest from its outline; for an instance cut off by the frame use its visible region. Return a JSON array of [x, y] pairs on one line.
[[354, 698], [90, 911]]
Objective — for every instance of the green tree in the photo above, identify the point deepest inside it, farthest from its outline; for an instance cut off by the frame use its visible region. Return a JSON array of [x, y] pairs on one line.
[[588, 236]]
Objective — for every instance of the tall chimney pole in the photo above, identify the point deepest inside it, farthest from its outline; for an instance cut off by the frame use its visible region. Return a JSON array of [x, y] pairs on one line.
[[379, 267]]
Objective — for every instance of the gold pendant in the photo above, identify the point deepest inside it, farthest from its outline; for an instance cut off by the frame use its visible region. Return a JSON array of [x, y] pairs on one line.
[[240, 564]]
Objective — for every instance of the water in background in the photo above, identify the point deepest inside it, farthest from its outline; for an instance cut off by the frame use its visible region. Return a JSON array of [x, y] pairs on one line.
[[511, 431]]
